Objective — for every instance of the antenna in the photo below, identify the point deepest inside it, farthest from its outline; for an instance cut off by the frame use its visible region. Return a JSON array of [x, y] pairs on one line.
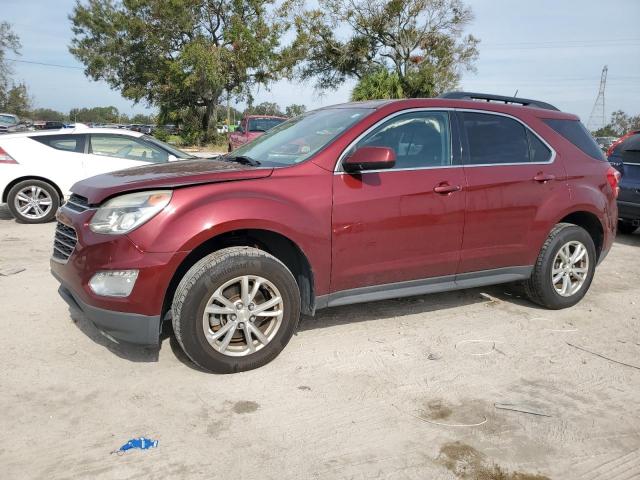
[[597, 118]]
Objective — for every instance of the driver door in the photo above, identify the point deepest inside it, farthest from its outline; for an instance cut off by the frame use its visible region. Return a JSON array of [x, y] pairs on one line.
[[404, 223], [108, 152]]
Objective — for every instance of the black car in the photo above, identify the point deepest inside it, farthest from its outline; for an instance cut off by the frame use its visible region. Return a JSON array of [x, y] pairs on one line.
[[624, 155]]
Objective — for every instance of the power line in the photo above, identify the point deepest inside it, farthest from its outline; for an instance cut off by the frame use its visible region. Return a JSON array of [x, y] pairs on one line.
[[31, 62]]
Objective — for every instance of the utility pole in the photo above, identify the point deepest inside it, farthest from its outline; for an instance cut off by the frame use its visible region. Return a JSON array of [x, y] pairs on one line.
[[597, 119]]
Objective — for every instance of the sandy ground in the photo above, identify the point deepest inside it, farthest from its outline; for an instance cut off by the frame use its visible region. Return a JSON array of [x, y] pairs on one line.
[[381, 390]]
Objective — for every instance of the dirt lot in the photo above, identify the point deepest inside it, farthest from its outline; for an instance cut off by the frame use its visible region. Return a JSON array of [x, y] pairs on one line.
[[381, 390]]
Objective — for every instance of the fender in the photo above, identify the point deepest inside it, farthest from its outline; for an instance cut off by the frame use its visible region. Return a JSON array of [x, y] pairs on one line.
[[200, 213]]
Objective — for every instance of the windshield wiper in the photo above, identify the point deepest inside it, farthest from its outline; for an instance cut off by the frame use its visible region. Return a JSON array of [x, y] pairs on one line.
[[242, 159]]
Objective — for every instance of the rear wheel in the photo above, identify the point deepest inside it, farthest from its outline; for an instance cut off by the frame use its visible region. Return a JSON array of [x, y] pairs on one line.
[[564, 269], [235, 310], [33, 201], [626, 227]]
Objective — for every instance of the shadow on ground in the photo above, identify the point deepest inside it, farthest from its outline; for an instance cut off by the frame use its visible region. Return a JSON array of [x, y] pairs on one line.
[[4, 213], [630, 239]]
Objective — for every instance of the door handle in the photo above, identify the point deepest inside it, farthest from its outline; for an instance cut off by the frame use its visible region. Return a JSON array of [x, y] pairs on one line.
[[544, 177], [446, 189]]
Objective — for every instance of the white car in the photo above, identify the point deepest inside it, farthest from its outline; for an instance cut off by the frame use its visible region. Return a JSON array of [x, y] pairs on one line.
[[37, 169]]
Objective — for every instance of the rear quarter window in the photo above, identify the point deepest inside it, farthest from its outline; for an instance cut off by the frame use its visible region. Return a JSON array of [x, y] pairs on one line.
[[67, 143], [576, 133]]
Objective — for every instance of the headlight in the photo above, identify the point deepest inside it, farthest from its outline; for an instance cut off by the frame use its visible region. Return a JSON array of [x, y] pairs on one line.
[[127, 212]]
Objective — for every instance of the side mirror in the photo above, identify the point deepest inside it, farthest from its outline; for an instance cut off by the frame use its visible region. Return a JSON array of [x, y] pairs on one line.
[[172, 158], [369, 158]]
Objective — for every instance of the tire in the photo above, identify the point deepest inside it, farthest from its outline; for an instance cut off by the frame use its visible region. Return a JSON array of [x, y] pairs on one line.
[[44, 196], [626, 228], [540, 287], [208, 277]]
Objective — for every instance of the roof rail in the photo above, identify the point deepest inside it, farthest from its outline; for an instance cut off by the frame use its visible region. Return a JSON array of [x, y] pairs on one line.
[[525, 102]]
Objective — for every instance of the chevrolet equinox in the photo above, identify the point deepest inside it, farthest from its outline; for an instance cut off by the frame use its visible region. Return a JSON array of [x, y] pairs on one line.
[[351, 203]]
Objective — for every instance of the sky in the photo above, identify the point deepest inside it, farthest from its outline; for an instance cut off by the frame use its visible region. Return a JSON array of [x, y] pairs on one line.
[[551, 50]]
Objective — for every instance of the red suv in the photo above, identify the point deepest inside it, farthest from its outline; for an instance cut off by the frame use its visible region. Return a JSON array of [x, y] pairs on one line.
[[352, 203]]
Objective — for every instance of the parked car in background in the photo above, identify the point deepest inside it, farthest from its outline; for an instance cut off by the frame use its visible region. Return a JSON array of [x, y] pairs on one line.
[[605, 142], [355, 203], [10, 123], [38, 168], [251, 127], [48, 125], [624, 155]]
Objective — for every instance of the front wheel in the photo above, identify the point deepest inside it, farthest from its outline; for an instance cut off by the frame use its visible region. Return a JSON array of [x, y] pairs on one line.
[[235, 310], [33, 201], [564, 269]]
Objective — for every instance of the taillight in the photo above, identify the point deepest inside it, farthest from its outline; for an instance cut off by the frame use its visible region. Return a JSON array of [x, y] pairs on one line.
[[613, 177], [5, 157]]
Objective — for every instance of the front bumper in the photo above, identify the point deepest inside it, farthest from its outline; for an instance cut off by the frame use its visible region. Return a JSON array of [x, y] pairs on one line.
[[119, 326], [135, 318]]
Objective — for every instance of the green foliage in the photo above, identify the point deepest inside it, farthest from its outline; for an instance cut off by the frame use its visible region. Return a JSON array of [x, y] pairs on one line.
[[264, 108], [47, 114], [381, 84], [143, 119], [16, 101], [620, 124], [294, 110], [420, 41], [9, 42], [180, 55], [95, 115]]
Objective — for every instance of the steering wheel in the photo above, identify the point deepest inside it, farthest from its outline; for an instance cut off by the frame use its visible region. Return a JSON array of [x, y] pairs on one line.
[[124, 151]]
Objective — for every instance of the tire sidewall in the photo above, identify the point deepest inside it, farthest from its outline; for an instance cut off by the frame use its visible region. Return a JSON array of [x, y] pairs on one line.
[[567, 234], [191, 314], [55, 201]]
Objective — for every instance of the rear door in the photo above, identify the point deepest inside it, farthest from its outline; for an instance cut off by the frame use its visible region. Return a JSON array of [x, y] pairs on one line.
[[392, 225], [511, 174]]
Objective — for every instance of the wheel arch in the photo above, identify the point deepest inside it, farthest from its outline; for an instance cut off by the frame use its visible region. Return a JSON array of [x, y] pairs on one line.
[[591, 223], [15, 181], [274, 243]]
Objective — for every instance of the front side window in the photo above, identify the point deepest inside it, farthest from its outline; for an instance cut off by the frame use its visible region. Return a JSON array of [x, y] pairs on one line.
[[494, 139], [122, 146], [419, 139]]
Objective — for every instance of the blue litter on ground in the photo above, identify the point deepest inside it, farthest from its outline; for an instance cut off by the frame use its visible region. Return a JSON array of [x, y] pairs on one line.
[[141, 443]]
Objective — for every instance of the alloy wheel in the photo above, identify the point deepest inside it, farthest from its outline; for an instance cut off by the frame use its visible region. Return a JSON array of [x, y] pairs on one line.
[[33, 202], [243, 315], [570, 268]]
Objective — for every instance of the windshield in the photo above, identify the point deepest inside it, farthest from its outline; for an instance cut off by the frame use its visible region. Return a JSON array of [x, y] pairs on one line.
[[169, 148], [298, 139], [8, 119], [263, 124]]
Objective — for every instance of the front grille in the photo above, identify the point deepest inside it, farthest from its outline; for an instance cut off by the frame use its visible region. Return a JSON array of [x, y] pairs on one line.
[[64, 242], [77, 203]]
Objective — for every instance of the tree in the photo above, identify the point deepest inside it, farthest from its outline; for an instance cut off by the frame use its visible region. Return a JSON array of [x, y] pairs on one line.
[[294, 110], [179, 55], [143, 119], [264, 108], [381, 84], [419, 42], [9, 42], [17, 101], [95, 115], [47, 114], [620, 124]]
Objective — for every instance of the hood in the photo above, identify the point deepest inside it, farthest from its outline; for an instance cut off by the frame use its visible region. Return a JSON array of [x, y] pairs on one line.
[[166, 175]]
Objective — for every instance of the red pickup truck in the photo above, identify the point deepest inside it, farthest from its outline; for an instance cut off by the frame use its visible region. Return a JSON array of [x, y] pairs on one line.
[[252, 126]]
